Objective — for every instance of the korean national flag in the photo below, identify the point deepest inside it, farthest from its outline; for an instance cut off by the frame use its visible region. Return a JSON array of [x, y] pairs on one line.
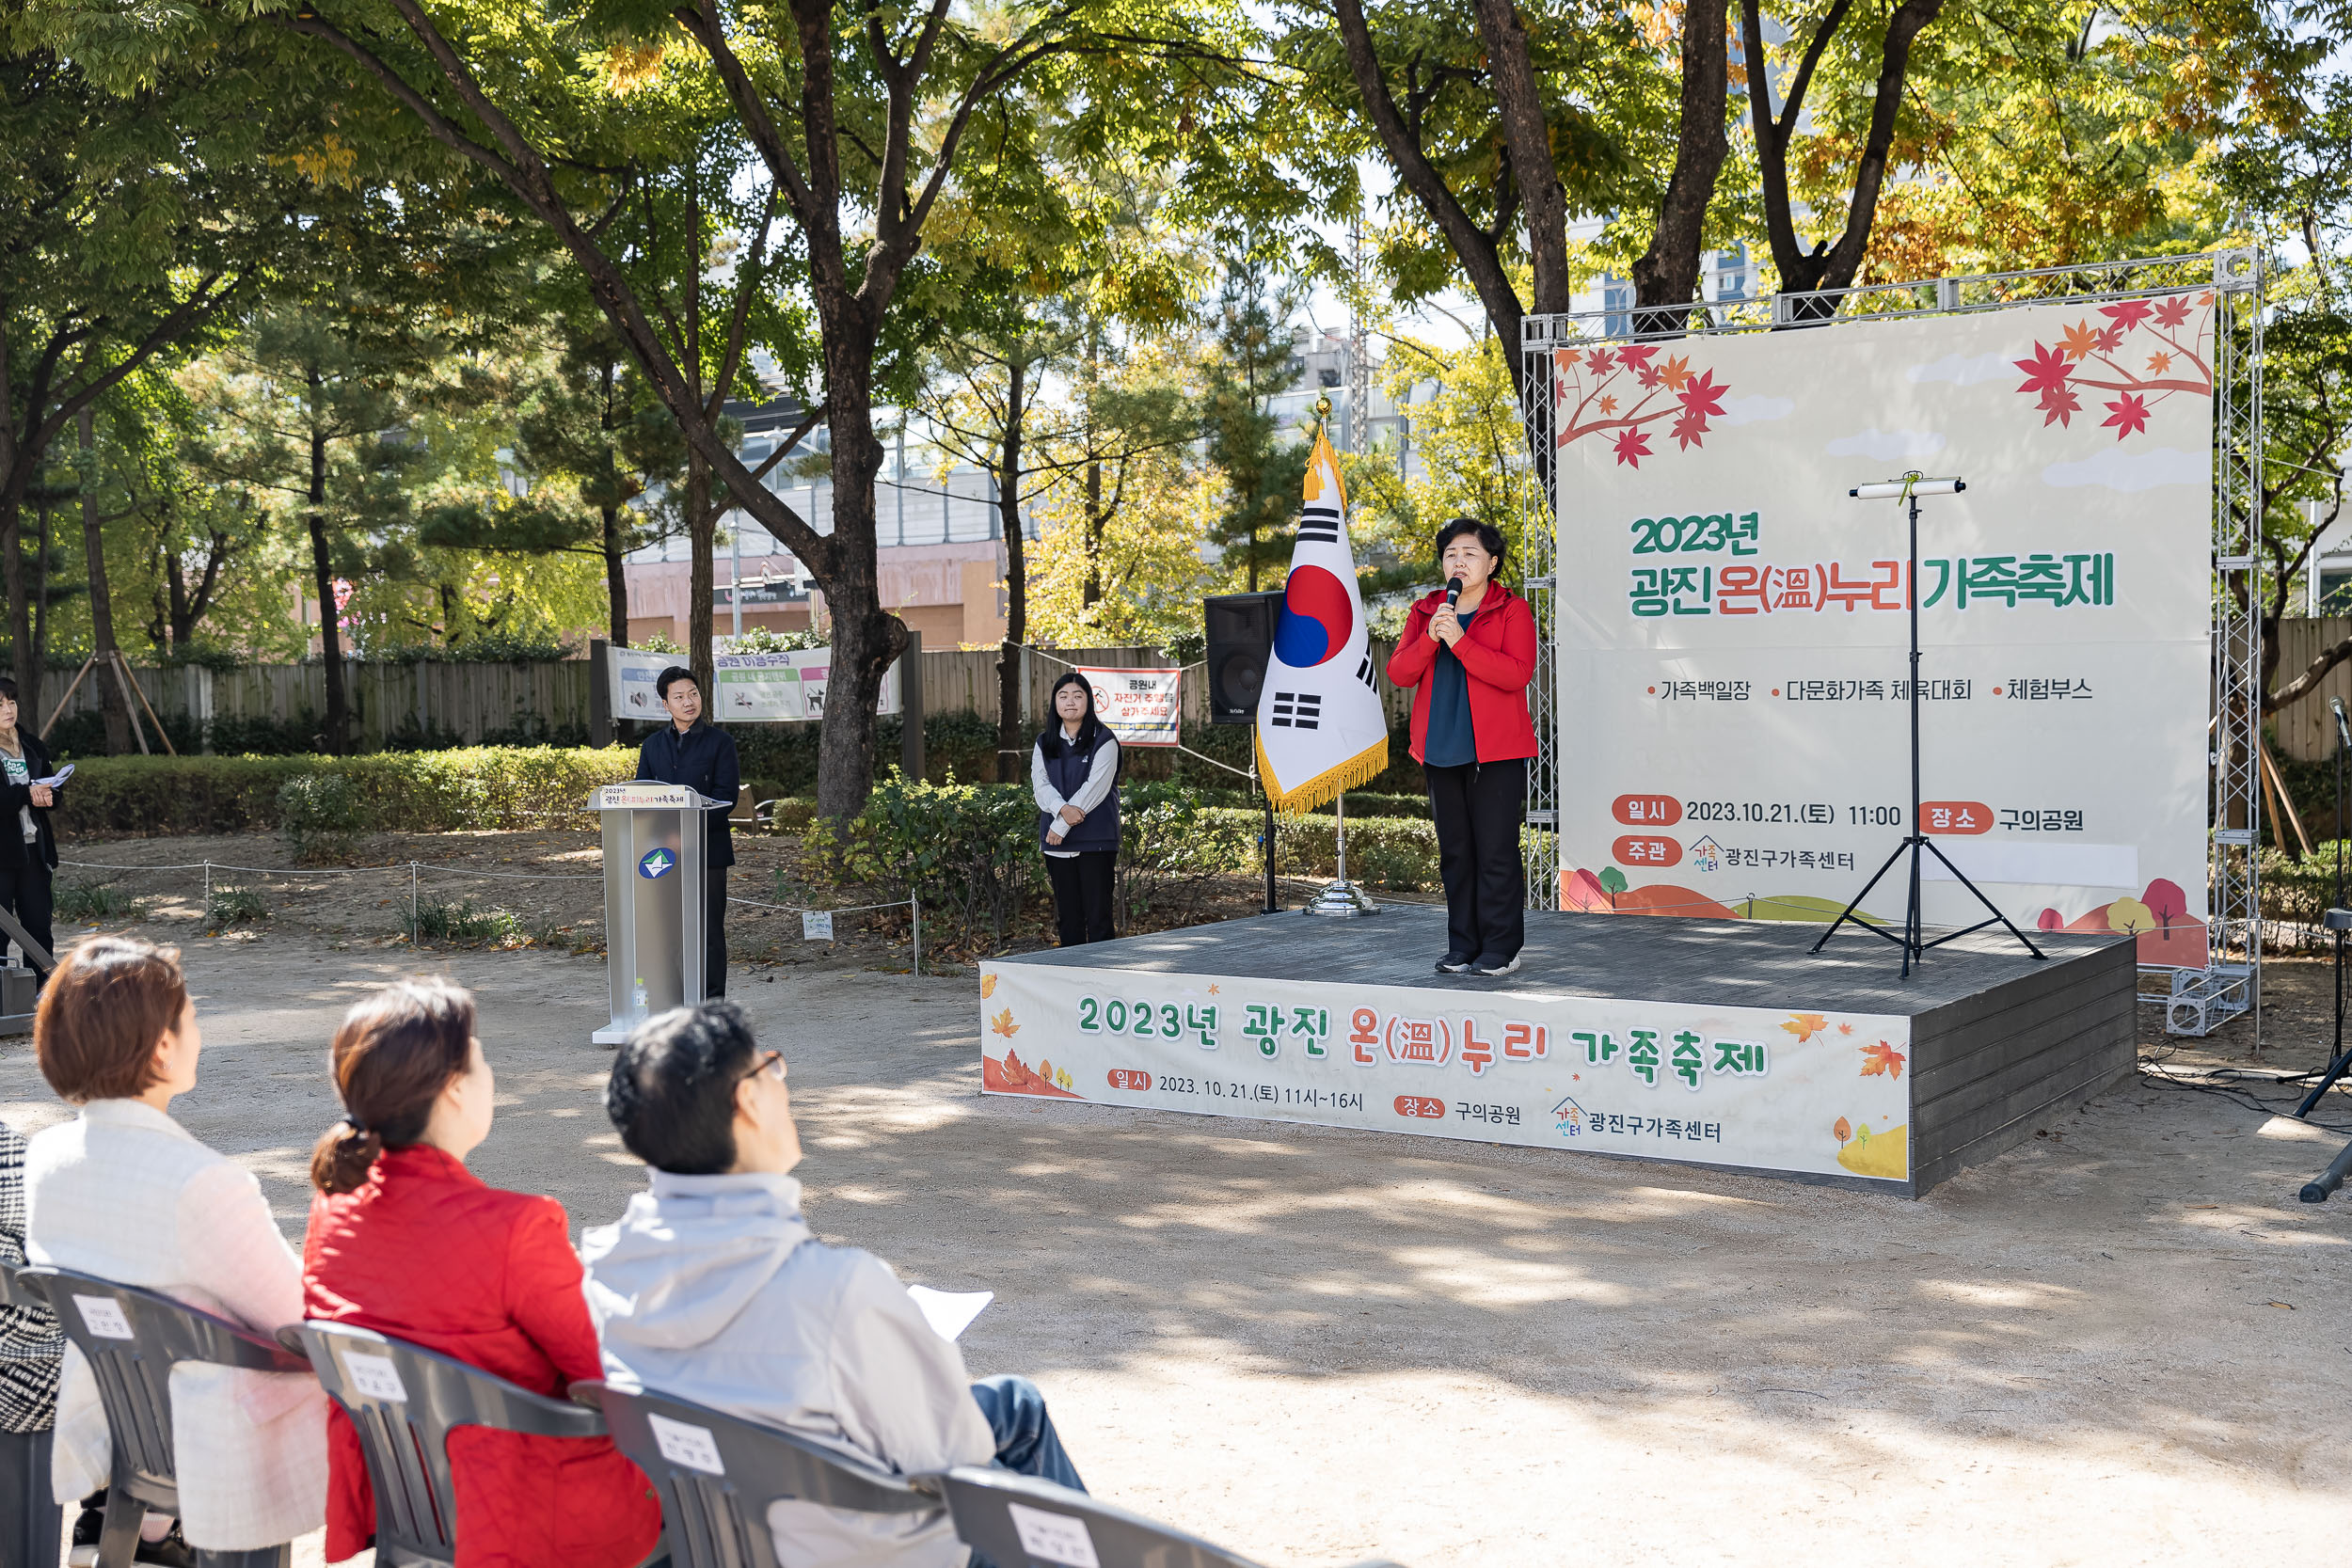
[[1320, 729]]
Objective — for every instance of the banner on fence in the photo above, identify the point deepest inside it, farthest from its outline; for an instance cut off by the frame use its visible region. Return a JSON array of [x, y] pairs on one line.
[[753, 687], [1143, 707], [1732, 627], [1815, 1093]]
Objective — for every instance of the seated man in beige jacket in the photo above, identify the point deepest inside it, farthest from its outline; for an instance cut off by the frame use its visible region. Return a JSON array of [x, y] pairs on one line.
[[713, 1290]]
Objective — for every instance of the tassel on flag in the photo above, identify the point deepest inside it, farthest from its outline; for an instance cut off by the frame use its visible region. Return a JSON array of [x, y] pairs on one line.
[[1321, 728]]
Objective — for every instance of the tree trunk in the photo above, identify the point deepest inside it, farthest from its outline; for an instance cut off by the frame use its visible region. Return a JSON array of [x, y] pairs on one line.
[[616, 576], [37, 657], [323, 569], [866, 638], [116, 705], [20, 605], [1010, 720], [1093, 593], [1668, 273], [702, 520]]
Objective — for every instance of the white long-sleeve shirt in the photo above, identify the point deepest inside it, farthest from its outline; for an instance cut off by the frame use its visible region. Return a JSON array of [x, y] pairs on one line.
[[1101, 773]]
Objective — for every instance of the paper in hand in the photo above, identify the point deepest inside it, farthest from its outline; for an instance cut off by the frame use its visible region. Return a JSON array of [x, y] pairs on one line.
[[57, 778], [949, 1313]]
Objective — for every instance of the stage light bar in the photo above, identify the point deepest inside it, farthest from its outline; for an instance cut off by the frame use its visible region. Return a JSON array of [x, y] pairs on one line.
[[1894, 489]]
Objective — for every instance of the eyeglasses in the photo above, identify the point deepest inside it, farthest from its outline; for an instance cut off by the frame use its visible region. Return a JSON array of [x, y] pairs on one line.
[[771, 1059]]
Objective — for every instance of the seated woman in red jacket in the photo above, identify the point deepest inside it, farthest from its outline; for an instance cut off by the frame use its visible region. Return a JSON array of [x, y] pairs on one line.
[[405, 1241], [1472, 736]]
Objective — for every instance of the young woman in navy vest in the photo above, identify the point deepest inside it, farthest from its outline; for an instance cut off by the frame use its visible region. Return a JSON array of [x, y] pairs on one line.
[[1074, 772]]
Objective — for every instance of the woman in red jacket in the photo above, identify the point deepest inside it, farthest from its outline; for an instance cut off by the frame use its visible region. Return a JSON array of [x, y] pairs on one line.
[[1472, 736], [405, 1241]]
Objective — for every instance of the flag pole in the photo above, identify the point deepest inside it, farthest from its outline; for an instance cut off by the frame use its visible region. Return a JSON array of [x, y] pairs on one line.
[[1339, 897]]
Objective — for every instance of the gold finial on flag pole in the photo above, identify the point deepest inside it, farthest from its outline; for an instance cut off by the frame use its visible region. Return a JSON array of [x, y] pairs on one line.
[[1323, 410]]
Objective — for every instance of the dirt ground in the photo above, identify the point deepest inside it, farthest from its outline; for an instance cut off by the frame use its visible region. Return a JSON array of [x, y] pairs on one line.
[[2123, 1342]]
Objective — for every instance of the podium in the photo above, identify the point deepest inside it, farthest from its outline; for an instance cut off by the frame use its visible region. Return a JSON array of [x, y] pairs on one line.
[[653, 899]]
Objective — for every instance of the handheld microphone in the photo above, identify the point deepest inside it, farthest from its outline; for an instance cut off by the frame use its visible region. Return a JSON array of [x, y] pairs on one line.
[[1453, 591], [2343, 731]]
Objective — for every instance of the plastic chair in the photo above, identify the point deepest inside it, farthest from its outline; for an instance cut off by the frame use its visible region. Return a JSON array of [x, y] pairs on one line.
[[132, 1338], [1016, 1521], [31, 1522], [405, 1400], [717, 1474]]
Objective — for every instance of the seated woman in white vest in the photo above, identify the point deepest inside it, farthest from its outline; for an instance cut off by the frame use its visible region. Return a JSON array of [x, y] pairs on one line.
[[123, 1192]]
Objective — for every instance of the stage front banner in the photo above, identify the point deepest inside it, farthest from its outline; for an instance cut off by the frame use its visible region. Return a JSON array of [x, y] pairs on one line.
[[1811, 1094], [1733, 697]]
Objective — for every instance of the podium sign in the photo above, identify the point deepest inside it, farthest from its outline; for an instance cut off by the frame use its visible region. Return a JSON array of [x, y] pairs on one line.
[[653, 900]]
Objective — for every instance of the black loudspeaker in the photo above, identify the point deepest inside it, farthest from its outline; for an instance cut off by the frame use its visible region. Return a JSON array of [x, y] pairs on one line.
[[1241, 641]]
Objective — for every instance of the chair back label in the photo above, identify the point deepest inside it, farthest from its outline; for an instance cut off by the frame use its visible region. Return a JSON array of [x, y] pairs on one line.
[[683, 1443], [1051, 1537], [372, 1376], [102, 1316]]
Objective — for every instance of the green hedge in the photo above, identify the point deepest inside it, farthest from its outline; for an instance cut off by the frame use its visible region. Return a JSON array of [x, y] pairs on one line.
[[480, 787]]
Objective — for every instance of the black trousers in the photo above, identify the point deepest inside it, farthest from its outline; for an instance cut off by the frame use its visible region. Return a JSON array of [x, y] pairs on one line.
[[715, 931], [1083, 889], [30, 1519], [1478, 808], [27, 893]]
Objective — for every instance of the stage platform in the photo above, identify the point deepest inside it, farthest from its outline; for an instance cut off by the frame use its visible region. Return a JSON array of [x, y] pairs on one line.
[[1714, 1042]]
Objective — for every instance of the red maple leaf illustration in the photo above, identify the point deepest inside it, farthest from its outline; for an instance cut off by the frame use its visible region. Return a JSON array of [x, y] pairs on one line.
[[1690, 428], [1600, 361], [1638, 355], [1882, 1060], [2128, 414], [1632, 446], [2128, 313], [2047, 369], [2173, 312], [1703, 395], [2059, 405], [2110, 339]]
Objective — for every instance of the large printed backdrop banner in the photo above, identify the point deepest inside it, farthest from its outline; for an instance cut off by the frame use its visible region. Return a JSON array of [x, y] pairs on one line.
[[1733, 687]]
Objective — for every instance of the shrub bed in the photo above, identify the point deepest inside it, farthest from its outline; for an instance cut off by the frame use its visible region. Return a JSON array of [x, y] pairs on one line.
[[480, 786]]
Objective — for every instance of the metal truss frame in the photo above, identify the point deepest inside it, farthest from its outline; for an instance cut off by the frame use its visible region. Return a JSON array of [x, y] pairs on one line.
[[2200, 1001]]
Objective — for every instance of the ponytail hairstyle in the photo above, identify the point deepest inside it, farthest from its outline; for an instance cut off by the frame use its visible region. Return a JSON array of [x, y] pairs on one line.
[[394, 1054]]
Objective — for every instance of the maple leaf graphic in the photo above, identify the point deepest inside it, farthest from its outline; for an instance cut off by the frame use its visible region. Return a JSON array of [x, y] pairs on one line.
[[1637, 356], [1882, 1060], [2045, 372], [2059, 405], [988, 986], [2173, 312], [1805, 1025], [1600, 361], [2159, 363], [1845, 1028], [1689, 429], [2080, 340], [1632, 446], [2128, 414], [2110, 339], [1609, 405], [1702, 394], [2128, 313], [1003, 1024], [1674, 374]]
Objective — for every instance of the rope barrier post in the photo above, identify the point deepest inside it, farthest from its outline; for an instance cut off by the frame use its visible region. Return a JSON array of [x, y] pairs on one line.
[[208, 891], [915, 902], [412, 903]]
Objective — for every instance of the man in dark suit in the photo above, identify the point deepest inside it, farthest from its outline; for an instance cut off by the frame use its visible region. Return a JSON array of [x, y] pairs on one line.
[[686, 751]]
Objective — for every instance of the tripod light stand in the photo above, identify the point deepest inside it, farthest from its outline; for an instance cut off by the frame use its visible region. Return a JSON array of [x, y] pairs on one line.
[[2339, 921], [1914, 942]]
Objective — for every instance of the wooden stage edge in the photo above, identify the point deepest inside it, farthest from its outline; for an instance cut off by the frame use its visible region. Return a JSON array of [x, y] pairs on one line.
[[1787, 1058]]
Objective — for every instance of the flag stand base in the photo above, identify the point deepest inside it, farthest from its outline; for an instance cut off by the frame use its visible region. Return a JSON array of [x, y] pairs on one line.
[[1342, 900]]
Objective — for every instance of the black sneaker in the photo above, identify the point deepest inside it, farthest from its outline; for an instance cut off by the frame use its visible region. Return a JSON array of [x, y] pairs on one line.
[[172, 1551], [1490, 967], [89, 1526], [1453, 963]]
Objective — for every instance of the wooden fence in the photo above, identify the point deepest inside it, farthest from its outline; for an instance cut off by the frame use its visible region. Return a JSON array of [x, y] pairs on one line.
[[474, 699], [2306, 729]]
